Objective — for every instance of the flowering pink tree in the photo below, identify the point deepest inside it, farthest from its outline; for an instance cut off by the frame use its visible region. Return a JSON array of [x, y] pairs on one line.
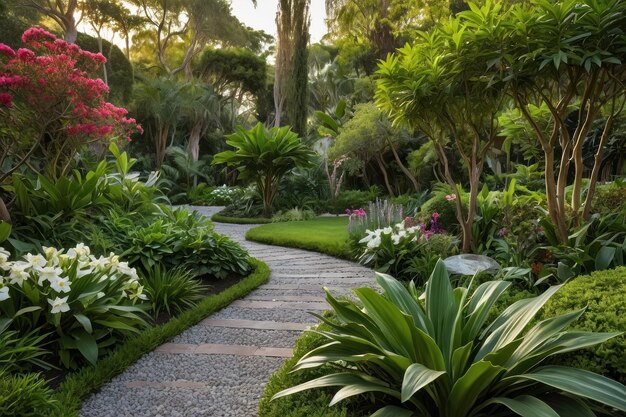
[[51, 106]]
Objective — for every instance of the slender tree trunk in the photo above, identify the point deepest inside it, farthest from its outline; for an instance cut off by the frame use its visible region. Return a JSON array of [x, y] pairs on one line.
[[597, 163], [383, 170], [193, 146], [404, 169]]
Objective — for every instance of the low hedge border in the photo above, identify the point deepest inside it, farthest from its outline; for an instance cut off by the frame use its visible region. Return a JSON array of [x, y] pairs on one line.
[[78, 386], [218, 218]]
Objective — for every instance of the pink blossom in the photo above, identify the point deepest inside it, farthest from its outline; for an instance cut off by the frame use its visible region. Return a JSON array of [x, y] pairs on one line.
[[435, 215], [451, 197], [25, 54], [37, 34], [6, 100], [7, 50]]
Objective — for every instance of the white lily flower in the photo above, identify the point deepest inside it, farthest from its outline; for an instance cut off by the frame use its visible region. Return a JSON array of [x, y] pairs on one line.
[[4, 293], [80, 251], [17, 273], [49, 273], [60, 285], [387, 230], [374, 243], [395, 239], [36, 261], [59, 305]]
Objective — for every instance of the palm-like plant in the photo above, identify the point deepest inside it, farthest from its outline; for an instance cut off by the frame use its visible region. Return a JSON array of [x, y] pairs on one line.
[[440, 357], [265, 156]]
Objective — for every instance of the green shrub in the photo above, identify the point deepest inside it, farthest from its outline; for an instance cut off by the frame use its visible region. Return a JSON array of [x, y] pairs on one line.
[[25, 396], [438, 203], [437, 355], [293, 215], [354, 199], [21, 352], [603, 294], [610, 199], [171, 290]]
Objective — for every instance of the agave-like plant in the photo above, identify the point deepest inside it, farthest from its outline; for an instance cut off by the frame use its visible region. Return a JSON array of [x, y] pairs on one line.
[[436, 355]]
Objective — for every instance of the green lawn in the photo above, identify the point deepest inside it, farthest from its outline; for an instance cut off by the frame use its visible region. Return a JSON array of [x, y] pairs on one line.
[[325, 234]]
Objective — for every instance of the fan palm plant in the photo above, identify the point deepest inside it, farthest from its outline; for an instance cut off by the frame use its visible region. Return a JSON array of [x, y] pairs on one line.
[[441, 358], [265, 156]]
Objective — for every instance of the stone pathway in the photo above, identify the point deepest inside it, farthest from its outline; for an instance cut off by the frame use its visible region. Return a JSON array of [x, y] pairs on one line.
[[219, 367]]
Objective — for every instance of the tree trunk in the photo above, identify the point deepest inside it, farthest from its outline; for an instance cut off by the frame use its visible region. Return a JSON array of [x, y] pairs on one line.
[[104, 66], [193, 145], [404, 169], [383, 170], [597, 163]]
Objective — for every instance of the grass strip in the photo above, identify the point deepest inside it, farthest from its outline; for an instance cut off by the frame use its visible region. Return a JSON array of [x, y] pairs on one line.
[[218, 218], [327, 235], [79, 385]]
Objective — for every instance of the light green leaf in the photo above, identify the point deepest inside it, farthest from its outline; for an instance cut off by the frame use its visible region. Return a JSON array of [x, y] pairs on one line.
[[392, 411], [416, 377], [582, 383], [527, 406]]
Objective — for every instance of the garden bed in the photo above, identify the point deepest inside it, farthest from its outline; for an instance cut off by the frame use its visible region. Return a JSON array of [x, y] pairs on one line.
[[218, 218]]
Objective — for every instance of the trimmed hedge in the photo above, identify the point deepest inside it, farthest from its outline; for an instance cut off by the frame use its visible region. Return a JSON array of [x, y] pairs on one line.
[[78, 386], [604, 295], [218, 218], [311, 403]]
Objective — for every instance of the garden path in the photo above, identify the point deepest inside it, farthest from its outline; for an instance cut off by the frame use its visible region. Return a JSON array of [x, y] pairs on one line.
[[219, 367]]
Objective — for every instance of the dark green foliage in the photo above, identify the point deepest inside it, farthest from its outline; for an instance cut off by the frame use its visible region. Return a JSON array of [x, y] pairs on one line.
[[438, 203], [171, 291], [182, 239], [235, 69], [610, 199], [294, 215], [307, 403], [354, 199], [78, 386], [119, 70], [25, 395], [603, 293]]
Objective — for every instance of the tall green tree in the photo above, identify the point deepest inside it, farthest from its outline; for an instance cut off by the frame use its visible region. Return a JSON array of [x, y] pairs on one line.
[[291, 70], [265, 156], [439, 86]]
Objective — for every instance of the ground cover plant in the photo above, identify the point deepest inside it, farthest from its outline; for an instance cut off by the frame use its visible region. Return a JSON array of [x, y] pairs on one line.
[[324, 234], [443, 358]]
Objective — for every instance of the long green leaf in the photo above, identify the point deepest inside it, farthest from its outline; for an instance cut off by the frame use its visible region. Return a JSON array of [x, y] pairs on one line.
[[468, 388], [400, 296], [582, 383], [417, 376], [527, 406], [361, 388], [332, 380], [512, 322]]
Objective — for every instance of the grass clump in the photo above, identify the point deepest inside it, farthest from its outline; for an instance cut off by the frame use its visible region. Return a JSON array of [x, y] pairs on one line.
[[327, 235]]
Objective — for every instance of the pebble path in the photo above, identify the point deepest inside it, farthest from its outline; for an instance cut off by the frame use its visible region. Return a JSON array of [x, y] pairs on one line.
[[218, 368]]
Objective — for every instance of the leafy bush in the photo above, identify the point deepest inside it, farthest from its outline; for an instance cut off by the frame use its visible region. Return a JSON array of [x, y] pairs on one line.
[[602, 294], [171, 290], [293, 215], [83, 303], [19, 353], [183, 239], [353, 199], [247, 205], [610, 199], [25, 395], [442, 201], [442, 358]]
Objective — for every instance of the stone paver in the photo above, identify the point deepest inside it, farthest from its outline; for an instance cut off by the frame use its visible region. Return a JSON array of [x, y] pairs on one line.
[[210, 372]]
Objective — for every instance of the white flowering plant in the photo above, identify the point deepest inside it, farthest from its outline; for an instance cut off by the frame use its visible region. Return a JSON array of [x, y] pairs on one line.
[[84, 303], [389, 249]]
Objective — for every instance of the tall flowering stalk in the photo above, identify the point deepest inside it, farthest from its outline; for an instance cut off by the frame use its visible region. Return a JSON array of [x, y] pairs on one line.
[[51, 105]]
